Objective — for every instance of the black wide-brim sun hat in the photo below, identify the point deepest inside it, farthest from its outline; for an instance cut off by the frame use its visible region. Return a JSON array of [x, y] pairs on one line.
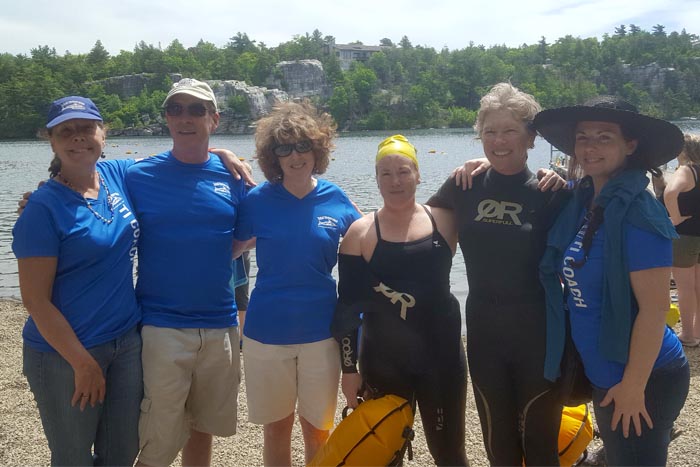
[[658, 141]]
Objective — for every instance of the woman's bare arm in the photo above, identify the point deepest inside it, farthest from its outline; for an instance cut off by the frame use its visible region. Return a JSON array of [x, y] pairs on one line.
[[36, 277]]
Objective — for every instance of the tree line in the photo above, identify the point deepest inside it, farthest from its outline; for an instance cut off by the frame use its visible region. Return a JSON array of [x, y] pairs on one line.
[[402, 86]]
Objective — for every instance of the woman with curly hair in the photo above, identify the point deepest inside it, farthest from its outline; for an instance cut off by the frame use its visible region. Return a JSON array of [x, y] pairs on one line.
[[291, 360]]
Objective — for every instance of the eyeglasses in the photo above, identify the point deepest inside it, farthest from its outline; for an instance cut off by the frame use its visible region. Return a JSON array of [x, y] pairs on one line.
[[195, 110], [283, 150]]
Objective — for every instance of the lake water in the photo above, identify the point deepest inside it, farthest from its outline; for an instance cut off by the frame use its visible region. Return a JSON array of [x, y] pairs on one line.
[[24, 163]]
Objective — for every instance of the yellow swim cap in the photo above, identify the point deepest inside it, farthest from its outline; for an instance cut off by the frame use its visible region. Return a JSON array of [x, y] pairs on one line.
[[396, 145]]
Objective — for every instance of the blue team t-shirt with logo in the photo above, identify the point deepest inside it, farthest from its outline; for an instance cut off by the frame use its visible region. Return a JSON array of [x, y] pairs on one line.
[[187, 214], [296, 249], [643, 250], [93, 287]]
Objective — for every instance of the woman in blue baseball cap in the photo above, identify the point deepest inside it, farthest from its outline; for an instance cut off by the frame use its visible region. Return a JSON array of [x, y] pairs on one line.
[[75, 243]]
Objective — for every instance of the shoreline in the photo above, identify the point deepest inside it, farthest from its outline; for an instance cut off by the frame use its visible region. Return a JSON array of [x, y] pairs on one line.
[[22, 440]]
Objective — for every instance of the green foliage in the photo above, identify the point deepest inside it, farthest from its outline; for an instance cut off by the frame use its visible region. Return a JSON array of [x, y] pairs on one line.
[[26, 100], [116, 124], [364, 83], [149, 59], [241, 43], [341, 104], [238, 104], [402, 86], [331, 66], [246, 64], [459, 117], [376, 120], [97, 60]]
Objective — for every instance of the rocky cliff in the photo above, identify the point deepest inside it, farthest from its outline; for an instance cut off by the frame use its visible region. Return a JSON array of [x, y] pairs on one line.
[[653, 78], [300, 78], [259, 101]]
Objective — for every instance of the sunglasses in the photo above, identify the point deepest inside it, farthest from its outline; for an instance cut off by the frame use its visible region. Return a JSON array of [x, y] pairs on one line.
[[283, 150], [195, 110]]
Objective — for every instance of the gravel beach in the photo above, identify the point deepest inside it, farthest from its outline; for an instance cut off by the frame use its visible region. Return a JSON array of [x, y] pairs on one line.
[[22, 440]]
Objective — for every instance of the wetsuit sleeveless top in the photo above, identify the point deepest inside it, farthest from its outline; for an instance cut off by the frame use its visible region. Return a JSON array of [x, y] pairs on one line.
[[411, 337], [689, 205], [503, 222]]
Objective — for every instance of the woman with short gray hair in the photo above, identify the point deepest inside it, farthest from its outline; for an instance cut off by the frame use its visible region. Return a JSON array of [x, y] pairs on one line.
[[502, 223]]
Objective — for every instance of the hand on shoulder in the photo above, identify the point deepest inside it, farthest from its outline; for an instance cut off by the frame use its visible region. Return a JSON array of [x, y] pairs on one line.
[[465, 173]]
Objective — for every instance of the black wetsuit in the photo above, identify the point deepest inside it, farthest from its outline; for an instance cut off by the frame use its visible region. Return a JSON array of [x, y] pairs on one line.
[[503, 222], [411, 334]]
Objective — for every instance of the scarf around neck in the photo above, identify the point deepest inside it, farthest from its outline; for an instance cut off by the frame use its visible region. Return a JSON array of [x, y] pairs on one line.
[[625, 199]]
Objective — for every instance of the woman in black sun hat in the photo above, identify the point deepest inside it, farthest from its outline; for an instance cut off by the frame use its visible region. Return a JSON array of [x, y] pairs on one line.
[[611, 247]]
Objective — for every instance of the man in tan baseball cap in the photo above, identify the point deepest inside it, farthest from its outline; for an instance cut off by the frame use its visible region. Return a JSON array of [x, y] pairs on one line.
[[193, 87], [187, 203]]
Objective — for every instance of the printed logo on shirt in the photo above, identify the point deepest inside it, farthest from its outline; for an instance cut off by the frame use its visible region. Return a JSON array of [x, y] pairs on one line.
[[117, 201], [499, 212], [327, 222], [569, 272], [222, 188], [121, 209]]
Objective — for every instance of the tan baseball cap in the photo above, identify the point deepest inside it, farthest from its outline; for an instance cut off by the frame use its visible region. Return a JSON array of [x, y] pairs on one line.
[[193, 87]]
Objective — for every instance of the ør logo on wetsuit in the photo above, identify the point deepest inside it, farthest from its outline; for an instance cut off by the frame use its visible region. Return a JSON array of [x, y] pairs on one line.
[[347, 352], [407, 300], [495, 212]]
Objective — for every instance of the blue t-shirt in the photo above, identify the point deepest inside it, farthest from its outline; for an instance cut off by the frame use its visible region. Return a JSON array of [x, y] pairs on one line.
[[187, 214], [643, 250], [296, 249], [93, 287]]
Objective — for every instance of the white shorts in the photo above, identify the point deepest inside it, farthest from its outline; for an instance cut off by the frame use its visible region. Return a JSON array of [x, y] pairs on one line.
[[277, 376], [190, 382]]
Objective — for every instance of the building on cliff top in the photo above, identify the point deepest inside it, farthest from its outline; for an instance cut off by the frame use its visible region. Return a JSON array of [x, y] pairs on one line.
[[348, 53]]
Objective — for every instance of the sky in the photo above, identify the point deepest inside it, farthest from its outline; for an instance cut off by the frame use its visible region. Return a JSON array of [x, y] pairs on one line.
[[75, 26]]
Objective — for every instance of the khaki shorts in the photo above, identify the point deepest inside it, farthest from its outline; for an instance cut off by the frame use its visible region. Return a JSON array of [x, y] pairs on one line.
[[686, 251], [190, 382], [277, 376]]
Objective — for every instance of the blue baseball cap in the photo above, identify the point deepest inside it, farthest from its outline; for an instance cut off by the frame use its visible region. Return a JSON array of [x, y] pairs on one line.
[[72, 107]]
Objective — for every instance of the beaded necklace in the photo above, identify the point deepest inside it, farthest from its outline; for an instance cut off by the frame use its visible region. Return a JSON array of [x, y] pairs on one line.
[[89, 206]]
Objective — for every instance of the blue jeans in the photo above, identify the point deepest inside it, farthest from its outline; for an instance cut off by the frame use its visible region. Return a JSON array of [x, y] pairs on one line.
[[664, 396], [112, 427]]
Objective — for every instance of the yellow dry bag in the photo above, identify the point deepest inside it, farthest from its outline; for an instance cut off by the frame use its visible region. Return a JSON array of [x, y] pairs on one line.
[[376, 433], [673, 315], [575, 433]]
